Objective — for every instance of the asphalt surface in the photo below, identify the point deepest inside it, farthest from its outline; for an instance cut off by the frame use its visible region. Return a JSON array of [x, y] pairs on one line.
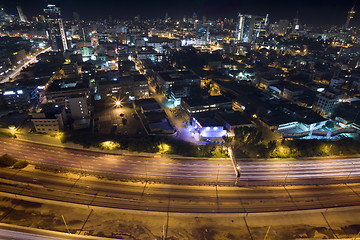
[[163, 169], [89, 192], [24, 65]]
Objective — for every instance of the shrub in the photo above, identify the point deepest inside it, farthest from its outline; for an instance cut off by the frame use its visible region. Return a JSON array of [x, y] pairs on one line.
[[7, 161]]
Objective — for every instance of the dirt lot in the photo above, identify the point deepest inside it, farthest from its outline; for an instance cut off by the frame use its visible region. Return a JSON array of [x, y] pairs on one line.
[[120, 224]]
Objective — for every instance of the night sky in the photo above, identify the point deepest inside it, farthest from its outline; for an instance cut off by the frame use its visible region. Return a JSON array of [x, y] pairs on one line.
[[313, 12]]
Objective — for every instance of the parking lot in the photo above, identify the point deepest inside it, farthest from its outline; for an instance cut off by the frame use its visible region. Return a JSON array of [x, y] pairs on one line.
[[110, 119]]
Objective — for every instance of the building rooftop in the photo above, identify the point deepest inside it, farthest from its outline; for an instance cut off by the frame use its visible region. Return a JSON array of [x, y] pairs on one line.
[[205, 100], [173, 76], [234, 118], [65, 84], [207, 119]]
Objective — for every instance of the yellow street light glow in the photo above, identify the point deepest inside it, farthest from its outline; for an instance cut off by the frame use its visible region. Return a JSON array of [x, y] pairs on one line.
[[109, 145], [164, 148]]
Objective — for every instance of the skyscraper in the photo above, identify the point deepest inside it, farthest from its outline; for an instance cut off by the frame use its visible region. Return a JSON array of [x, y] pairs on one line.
[[283, 27], [349, 17], [245, 28], [260, 25], [55, 28], [250, 28], [21, 14]]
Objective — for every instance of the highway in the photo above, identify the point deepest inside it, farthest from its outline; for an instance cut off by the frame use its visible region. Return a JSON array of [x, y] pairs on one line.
[[163, 169], [92, 192]]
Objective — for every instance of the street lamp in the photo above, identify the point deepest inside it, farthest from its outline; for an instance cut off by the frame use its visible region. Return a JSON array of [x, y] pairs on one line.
[[117, 102]]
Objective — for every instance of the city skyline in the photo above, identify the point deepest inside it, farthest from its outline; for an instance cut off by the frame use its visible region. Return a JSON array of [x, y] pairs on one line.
[[332, 12]]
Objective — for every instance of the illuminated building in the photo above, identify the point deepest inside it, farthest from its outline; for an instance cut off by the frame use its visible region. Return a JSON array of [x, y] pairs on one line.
[[325, 104], [250, 28], [260, 25], [349, 17], [21, 14], [50, 120], [55, 28], [77, 106], [16, 98], [245, 28]]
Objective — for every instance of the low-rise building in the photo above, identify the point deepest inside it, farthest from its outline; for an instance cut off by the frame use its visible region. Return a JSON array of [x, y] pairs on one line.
[[205, 103], [207, 127], [50, 120], [232, 120], [15, 98], [168, 79], [325, 103], [61, 89]]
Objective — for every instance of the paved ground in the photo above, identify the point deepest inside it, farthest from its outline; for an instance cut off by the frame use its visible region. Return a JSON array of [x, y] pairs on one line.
[[110, 121], [36, 185]]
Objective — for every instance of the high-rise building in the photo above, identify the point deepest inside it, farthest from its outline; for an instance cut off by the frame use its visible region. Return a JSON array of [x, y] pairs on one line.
[[245, 28], [260, 27], [79, 26], [250, 28], [21, 14], [283, 27], [349, 17], [55, 28], [295, 25]]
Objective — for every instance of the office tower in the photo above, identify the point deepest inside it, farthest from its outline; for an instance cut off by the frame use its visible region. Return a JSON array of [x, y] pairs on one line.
[[55, 28], [283, 27], [296, 25], [166, 17], [349, 17], [245, 28], [194, 18], [21, 14], [79, 25], [260, 25]]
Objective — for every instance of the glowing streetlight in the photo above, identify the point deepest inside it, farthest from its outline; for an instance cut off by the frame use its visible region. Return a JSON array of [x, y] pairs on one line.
[[117, 102]]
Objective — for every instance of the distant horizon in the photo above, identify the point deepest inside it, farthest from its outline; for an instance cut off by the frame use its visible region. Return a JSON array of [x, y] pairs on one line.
[[321, 13]]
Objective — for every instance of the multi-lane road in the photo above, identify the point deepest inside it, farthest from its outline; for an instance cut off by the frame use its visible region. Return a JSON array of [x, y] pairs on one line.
[[24, 65], [180, 184], [164, 169], [90, 192]]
